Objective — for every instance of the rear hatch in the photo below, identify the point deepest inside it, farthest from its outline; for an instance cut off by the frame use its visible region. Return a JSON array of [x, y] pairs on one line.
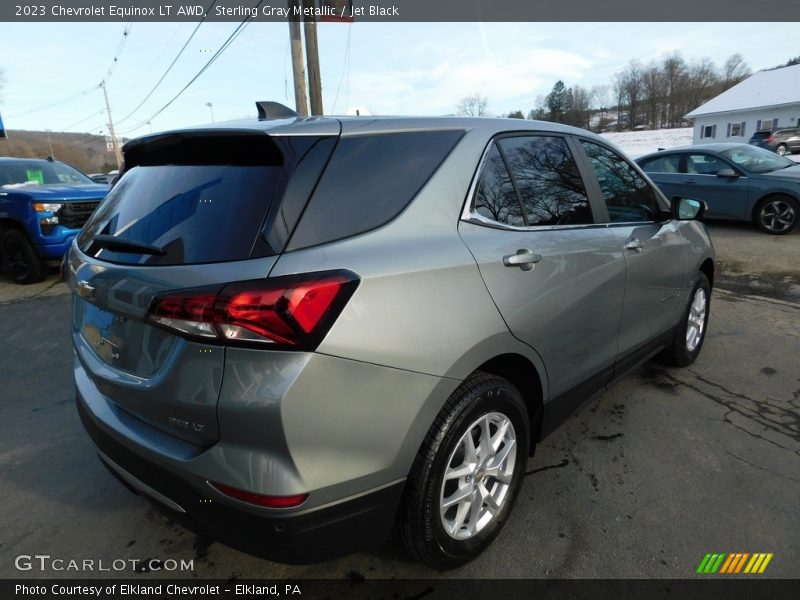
[[195, 211]]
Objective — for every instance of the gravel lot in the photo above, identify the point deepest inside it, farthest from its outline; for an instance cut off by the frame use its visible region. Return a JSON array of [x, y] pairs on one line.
[[644, 480]]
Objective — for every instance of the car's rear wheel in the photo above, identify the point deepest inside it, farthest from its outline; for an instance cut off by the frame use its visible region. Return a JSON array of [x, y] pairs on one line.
[[20, 259], [467, 474], [777, 215], [687, 340], [781, 149]]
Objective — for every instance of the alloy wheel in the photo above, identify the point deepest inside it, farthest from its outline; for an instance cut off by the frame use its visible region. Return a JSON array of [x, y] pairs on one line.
[[478, 476], [696, 325], [777, 216]]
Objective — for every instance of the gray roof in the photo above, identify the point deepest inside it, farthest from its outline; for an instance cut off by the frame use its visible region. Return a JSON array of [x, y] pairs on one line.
[[362, 125], [763, 89]]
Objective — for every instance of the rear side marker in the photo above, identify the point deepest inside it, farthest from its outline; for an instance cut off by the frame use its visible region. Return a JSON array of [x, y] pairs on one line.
[[260, 499]]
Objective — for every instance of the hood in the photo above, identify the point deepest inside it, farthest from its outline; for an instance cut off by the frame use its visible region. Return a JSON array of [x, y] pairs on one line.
[[51, 193]]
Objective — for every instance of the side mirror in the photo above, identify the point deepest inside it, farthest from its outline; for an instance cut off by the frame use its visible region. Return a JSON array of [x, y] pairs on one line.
[[686, 209], [727, 173]]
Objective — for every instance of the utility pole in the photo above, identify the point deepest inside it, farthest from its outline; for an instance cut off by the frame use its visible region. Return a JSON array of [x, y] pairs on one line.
[[49, 141], [114, 143], [300, 98], [312, 56]]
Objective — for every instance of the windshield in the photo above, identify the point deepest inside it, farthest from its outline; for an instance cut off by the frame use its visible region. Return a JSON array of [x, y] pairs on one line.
[[39, 172], [756, 160]]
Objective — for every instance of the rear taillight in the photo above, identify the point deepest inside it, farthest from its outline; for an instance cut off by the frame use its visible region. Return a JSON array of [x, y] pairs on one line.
[[293, 312], [770, 139]]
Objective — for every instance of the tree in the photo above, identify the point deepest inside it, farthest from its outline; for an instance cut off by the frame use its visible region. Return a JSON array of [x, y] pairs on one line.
[[674, 69], [473, 105], [516, 114], [539, 112], [654, 91], [734, 70], [632, 87], [557, 102], [601, 101], [580, 102]]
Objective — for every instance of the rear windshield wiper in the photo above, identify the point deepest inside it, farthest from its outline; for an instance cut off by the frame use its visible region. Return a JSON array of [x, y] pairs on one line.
[[116, 244]]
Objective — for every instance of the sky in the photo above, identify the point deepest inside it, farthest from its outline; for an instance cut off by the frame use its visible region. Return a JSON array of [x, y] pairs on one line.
[[52, 69]]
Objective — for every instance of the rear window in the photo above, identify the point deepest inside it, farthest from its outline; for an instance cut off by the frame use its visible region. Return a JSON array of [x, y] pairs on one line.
[[199, 199], [669, 163], [759, 135], [370, 179]]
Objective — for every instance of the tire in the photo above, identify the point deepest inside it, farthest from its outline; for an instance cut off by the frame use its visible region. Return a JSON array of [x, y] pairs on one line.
[[687, 341], [777, 215], [781, 149], [20, 259], [433, 536]]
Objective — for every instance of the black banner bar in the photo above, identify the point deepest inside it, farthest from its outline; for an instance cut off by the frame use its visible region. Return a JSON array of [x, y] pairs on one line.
[[716, 588], [406, 10]]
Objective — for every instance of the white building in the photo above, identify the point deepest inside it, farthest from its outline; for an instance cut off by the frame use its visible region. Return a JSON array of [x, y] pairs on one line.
[[765, 101]]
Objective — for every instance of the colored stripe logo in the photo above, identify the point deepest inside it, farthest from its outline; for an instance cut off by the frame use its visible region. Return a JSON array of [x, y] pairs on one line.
[[736, 562]]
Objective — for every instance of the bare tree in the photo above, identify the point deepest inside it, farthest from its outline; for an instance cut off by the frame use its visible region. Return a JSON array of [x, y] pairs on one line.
[[539, 111], [734, 70], [601, 101], [654, 92], [633, 84], [619, 97], [674, 70], [578, 108], [700, 85], [473, 105]]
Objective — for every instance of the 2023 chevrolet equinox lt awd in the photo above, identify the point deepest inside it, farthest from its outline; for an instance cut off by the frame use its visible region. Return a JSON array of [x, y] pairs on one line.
[[43, 205], [294, 334]]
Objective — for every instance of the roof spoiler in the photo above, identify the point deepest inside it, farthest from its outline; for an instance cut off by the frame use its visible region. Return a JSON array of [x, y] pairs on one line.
[[274, 110]]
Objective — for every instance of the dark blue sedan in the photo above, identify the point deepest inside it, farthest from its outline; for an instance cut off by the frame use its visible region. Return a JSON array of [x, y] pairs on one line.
[[737, 181]]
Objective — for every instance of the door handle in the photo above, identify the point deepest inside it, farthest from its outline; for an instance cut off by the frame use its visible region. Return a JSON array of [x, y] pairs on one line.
[[634, 244], [524, 259]]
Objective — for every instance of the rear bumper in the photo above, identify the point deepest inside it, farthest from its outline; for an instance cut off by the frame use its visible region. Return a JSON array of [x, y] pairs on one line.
[[293, 537]]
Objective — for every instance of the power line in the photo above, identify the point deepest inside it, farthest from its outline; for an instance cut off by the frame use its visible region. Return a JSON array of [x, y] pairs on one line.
[[58, 103], [118, 53], [226, 44], [345, 69], [76, 123], [169, 68]]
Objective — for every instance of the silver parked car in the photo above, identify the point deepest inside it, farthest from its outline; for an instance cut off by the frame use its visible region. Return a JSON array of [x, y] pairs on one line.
[[292, 334], [736, 181]]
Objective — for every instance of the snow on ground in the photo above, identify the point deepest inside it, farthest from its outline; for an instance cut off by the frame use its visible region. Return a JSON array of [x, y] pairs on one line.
[[638, 143]]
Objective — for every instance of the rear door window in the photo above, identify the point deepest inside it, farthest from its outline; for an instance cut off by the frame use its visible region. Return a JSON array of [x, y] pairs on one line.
[[669, 163], [547, 180]]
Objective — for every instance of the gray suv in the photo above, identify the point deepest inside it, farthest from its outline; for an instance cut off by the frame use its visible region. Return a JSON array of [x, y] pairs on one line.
[[295, 335]]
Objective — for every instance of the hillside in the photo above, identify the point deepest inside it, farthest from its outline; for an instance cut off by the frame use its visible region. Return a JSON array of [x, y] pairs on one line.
[[83, 151]]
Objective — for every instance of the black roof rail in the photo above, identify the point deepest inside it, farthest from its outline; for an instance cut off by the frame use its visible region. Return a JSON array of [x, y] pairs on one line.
[[273, 110]]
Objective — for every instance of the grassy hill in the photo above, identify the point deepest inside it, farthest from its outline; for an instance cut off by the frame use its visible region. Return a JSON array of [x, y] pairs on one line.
[[83, 151]]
